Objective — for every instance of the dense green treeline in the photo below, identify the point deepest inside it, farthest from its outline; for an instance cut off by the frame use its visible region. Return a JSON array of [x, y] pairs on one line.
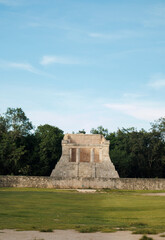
[[138, 153], [25, 150]]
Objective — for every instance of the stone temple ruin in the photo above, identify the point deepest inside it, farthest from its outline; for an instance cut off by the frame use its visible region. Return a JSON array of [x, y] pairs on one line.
[[84, 156]]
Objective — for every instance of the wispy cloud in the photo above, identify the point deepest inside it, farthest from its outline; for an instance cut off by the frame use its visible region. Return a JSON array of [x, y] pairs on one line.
[[132, 95], [11, 2], [142, 111], [75, 121], [158, 10], [115, 35], [157, 81], [22, 66], [156, 16], [157, 84], [34, 24], [46, 60]]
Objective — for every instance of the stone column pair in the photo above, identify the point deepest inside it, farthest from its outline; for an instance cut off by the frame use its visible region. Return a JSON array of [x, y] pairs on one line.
[[92, 155], [77, 155]]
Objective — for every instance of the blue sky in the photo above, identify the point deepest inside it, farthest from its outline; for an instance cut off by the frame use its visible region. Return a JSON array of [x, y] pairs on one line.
[[78, 64]]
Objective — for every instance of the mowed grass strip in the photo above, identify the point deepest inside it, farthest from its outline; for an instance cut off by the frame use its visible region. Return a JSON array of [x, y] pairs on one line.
[[43, 209]]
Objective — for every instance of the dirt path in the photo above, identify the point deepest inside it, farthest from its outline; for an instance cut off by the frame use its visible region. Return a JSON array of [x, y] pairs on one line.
[[70, 235]]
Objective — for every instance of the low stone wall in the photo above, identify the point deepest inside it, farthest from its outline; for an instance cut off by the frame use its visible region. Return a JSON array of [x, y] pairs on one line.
[[73, 183]]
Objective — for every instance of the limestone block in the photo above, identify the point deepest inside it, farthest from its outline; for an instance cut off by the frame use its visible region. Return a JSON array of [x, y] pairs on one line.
[[84, 156], [74, 182]]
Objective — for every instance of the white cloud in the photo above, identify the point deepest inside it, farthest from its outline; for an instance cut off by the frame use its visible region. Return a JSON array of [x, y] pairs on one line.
[[17, 65], [23, 66], [157, 84], [46, 60], [69, 122], [158, 10], [114, 36], [157, 81], [11, 2], [156, 16], [34, 24], [132, 95], [142, 111]]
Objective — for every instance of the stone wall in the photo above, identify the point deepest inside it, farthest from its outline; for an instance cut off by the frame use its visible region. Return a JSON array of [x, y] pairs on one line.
[[73, 183], [84, 139], [84, 156]]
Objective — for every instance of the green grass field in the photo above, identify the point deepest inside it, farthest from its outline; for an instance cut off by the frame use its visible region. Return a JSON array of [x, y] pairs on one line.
[[46, 209]]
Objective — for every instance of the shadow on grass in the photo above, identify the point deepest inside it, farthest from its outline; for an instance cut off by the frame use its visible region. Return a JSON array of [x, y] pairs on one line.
[[146, 238], [90, 229], [146, 231], [46, 230]]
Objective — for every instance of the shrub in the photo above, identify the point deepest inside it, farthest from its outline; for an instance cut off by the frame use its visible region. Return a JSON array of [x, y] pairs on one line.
[[145, 238]]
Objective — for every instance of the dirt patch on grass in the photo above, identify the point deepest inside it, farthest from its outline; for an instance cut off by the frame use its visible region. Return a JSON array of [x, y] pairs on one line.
[[86, 190], [154, 194], [70, 235]]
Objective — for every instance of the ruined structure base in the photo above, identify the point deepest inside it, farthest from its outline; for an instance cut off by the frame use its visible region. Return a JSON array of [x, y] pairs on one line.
[[84, 156], [84, 170], [83, 183]]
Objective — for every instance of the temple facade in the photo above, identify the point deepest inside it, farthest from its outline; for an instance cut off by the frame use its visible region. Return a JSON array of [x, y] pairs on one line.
[[84, 156]]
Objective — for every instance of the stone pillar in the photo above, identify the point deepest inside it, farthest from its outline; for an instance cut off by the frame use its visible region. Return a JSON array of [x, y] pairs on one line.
[[77, 155], [92, 155], [70, 154], [92, 161], [77, 161], [100, 155]]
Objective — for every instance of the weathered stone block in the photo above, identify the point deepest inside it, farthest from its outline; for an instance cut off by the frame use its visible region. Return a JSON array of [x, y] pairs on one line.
[[84, 156], [97, 183]]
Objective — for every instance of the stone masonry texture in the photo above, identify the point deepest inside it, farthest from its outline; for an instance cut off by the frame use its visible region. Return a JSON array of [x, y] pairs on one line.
[[84, 156], [81, 183]]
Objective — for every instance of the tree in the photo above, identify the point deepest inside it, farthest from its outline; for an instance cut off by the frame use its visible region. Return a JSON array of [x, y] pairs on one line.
[[158, 125], [24, 152], [3, 126], [138, 153], [10, 155], [49, 148], [17, 122], [100, 130], [157, 147], [14, 128], [119, 151], [82, 131]]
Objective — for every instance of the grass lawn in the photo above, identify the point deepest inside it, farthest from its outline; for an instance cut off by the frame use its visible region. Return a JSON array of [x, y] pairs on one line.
[[46, 209]]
